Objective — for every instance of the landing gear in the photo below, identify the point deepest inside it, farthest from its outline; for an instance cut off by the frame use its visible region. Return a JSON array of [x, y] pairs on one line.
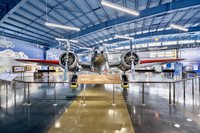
[[73, 81], [125, 81]]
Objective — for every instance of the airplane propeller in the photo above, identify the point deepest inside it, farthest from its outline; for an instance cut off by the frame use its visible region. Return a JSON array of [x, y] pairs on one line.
[[67, 46]]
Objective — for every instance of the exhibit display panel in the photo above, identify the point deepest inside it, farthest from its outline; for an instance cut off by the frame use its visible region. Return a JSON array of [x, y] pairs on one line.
[[193, 58]]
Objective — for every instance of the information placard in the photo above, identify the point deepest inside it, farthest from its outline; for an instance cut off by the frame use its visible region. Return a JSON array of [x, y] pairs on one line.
[[8, 76]]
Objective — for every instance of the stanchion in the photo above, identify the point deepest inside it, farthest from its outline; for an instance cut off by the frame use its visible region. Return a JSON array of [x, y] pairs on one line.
[[113, 98], [84, 103], [193, 88], [6, 96], [0, 91], [54, 99], [199, 84], [24, 102], [184, 89], [170, 94], [28, 100], [174, 94], [143, 94]]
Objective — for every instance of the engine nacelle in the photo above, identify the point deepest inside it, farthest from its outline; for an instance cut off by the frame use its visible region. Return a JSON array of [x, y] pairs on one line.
[[126, 58], [72, 61]]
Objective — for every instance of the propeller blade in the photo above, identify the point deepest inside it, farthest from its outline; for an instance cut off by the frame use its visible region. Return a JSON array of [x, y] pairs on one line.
[[66, 61]]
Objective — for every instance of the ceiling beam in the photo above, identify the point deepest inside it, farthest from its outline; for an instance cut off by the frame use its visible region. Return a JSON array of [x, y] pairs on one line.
[[24, 39], [157, 33], [10, 8], [176, 5]]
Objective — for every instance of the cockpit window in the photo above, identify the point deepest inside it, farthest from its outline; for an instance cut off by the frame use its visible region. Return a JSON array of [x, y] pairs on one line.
[[100, 49], [95, 52]]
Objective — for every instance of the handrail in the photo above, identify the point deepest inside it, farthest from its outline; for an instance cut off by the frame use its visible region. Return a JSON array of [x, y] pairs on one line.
[[172, 81], [21, 81]]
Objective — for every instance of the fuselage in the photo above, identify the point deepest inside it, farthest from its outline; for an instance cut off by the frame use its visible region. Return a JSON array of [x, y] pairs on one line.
[[99, 59]]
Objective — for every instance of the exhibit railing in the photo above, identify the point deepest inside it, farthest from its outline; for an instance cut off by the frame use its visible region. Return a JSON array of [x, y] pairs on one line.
[[171, 87], [171, 83]]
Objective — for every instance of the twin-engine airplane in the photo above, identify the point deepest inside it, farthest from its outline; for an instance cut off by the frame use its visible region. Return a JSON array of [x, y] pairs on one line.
[[99, 61]]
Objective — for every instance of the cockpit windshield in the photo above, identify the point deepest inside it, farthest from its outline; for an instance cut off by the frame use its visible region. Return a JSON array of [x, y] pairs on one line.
[[100, 49]]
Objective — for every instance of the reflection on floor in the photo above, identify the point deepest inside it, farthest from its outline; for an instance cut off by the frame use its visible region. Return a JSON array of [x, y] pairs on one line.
[[98, 116], [37, 118], [157, 116]]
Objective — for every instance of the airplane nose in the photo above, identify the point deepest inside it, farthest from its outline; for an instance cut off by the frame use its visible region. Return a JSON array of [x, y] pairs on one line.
[[99, 58]]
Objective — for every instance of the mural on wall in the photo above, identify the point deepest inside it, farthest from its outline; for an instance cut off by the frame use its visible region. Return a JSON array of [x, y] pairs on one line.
[[21, 49], [4, 43], [11, 53], [54, 54]]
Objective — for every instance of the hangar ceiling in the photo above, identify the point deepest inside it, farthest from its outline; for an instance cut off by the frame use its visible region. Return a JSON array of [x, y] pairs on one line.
[[24, 19]]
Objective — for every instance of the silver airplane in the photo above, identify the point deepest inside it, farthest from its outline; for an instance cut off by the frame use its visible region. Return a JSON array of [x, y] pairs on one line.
[[99, 61]]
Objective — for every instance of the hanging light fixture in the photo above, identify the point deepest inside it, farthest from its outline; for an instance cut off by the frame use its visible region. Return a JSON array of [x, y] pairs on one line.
[[123, 37], [109, 44], [120, 8], [62, 39], [178, 27], [61, 26]]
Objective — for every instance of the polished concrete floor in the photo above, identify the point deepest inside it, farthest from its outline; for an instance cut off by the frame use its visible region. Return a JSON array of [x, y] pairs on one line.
[[15, 117], [99, 115], [96, 114], [157, 116]]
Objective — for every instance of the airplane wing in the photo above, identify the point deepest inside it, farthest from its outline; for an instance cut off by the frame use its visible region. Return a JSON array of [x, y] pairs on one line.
[[84, 65], [40, 62], [149, 62], [114, 64], [152, 62]]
